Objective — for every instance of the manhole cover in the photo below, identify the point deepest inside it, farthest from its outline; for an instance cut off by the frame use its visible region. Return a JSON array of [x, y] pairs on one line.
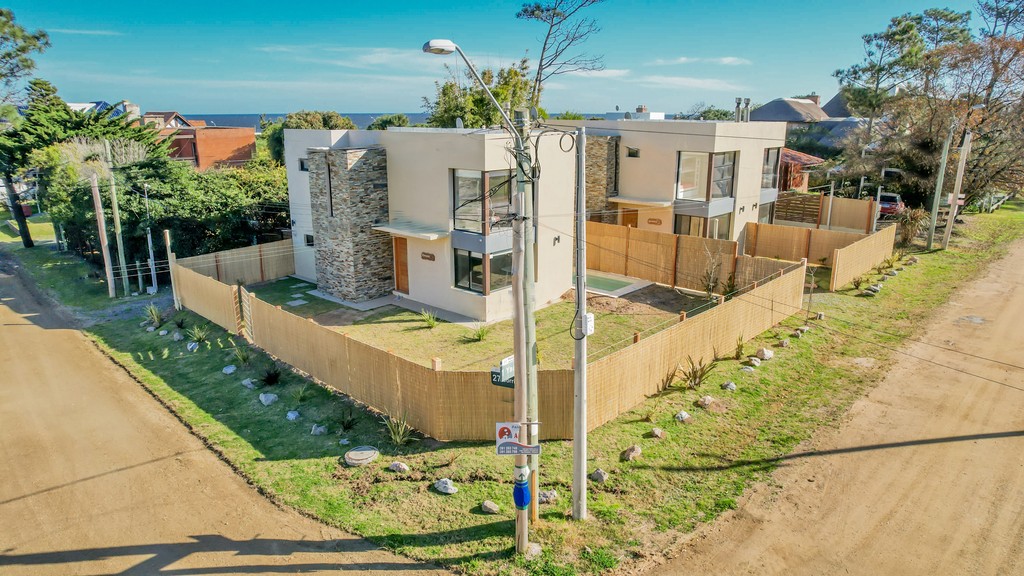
[[361, 455]]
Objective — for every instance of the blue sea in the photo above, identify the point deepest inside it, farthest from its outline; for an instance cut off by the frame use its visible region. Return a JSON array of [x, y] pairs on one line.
[[253, 120]]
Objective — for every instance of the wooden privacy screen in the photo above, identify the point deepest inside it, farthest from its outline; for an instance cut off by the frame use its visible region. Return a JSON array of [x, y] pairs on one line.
[[861, 256], [247, 265]]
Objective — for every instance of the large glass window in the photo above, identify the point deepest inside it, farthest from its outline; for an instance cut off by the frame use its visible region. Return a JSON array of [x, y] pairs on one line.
[[482, 201], [722, 173], [720, 227], [692, 183], [468, 201], [770, 171], [501, 271], [469, 270], [689, 225]]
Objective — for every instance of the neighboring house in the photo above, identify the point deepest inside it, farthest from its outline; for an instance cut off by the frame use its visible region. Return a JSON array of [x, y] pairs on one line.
[[795, 112], [793, 174], [699, 178], [201, 145], [120, 109], [424, 214]]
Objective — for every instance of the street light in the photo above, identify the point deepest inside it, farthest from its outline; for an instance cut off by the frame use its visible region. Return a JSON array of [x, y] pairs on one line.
[[523, 324]]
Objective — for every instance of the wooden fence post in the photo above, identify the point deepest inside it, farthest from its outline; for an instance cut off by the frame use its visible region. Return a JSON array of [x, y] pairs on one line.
[[263, 276], [636, 337], [682, 315], [216, 265]]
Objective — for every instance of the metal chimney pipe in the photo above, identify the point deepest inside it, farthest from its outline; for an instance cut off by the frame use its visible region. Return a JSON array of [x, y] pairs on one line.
[[746, 109], [739, 114]]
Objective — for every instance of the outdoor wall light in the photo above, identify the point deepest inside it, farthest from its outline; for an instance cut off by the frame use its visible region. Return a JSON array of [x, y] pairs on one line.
[[556, 240]]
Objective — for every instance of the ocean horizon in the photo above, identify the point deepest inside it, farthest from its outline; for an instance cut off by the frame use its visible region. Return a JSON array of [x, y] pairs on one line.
[[362, 120]]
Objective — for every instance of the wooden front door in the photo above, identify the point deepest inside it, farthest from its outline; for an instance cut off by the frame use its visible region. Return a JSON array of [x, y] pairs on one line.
[[401, 249], [630, 217]]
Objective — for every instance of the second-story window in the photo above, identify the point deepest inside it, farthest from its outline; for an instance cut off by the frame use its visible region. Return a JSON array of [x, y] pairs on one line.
[[770, 171], [482, 201], [692, 183], [722, 172]]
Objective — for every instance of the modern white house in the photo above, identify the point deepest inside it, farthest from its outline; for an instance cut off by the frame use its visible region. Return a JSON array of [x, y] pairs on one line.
[[425, 215], [700, 178]]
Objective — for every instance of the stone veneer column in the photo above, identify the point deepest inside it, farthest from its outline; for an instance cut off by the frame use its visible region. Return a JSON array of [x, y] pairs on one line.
[[602, 172], [354, 262]]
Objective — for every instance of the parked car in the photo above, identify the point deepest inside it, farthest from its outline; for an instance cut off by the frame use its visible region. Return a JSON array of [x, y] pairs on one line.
[[890, 204]]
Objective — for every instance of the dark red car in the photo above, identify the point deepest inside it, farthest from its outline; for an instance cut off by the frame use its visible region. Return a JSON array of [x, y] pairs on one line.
[[890, 204]]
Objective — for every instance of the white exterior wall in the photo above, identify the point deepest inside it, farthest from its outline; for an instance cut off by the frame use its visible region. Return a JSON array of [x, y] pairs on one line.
[[420, 165], [652, 175], [296, 145]]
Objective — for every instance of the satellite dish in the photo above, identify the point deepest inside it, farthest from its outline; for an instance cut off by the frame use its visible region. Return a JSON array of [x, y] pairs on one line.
[[458, 123]]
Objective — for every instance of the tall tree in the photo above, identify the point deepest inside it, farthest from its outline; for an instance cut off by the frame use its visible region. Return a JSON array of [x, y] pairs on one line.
[[565, 30], [17, 45], [303, 119], [452, 101], [383, 121]]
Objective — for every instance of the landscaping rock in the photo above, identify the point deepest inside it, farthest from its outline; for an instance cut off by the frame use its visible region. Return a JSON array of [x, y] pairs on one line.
[[296, 295], [135, 293], [298, 302], [599, 476], [488, 507], [798, 334], [900, 269], [868, 293], [892, 273], [754, 361], [248, 383], [547, 496], [803, 329], [318, 430], [344, 441], [177, 337], [162, 333], [292, 415], [658, 433], [765, 354], [705, 401], [400, 467], [729, 386], [151, 329], [230, 369], [819, 316], [883, 278], [268, 399], [192, 346], [445, 486], [684, 417], [142, 324], [361, 456], [783, 343], [747, 369], [631, 453]]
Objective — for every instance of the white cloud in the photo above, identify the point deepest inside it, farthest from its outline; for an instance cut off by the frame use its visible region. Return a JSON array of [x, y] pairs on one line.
[[81, 32], [722, 60], [607, 73], [688, 82]]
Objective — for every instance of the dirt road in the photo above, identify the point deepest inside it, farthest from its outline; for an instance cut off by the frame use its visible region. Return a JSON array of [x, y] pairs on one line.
[[925, 474], [97, 478]]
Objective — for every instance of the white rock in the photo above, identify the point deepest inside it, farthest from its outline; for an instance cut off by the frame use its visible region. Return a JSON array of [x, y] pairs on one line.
[[729, 386], [298, 302], [162, 333], [177, 337], [445, 486], [599, 476], [705, 401], [658, 433], [765, 354], [230, 369], [804, 329], [400, 467], [318, 430], [683, 416], [248, 383], [292, 415], [783, 343], [135, 293], [747, 369], [754, 361], [151, 329], [489, 507], [631, 453], [344, 441], [547, 496], [192, 346], [267, 399]]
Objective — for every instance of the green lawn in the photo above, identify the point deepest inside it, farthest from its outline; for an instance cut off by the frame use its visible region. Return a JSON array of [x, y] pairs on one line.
[[281, 291], [39, 226], [686, 479]]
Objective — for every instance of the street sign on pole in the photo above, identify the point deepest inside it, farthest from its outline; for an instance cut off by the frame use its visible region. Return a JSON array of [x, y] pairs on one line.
[[508, 440], [504, 374]]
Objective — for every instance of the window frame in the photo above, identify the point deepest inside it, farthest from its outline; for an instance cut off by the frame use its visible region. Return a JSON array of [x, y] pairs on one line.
[[776, 168], [303, 164], [309, 240], [487, 218], [485, 285]]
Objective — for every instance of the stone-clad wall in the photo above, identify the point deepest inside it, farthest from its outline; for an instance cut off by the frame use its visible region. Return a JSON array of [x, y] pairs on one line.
[[353, 261], [602, 174]]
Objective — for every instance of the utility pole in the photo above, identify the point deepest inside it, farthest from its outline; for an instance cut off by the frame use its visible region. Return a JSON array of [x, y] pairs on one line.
[[938, 183], [149, 238], [831, 198], [526, 184], [583, 329], [520, 465], [101, 227], [965, 151], [116, 213]]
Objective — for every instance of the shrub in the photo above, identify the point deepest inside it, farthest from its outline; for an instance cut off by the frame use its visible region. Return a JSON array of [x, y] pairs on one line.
[[242, 355], [398, 429], [858, 282], [479, 333], [348, 419], [739, 347], [429, 318], [153, 315], [199, 333], [179, 322], [696, 372], [730, 287], [304, 393], [911, 223], [271, 376]]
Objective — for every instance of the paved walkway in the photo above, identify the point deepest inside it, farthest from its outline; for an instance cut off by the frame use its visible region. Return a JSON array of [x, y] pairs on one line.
[[97, 478]]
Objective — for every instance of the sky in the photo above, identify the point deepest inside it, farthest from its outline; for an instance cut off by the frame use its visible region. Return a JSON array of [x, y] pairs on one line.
[[365, 57]]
